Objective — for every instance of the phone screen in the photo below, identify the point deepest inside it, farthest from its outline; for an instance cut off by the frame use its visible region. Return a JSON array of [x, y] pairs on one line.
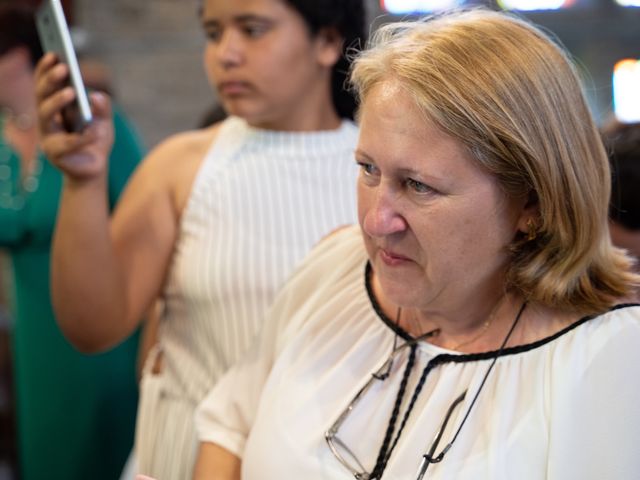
[[55, 37]]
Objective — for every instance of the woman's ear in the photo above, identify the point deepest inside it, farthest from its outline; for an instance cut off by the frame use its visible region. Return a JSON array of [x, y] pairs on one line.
[[529, 222], [329, 46]]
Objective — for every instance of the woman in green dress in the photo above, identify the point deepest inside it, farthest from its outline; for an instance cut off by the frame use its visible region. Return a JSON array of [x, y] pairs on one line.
[[75, 412]]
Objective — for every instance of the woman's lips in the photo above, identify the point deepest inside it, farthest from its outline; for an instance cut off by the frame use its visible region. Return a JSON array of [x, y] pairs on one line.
[[392, 259], [233, 88]]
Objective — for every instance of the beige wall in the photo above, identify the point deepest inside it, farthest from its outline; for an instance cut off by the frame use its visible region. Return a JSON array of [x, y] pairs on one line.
[[153, 51]]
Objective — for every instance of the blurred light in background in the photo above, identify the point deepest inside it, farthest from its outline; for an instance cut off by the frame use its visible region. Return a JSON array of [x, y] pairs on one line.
[[535, 4], [626, 90], [400, 7], [629, 3]]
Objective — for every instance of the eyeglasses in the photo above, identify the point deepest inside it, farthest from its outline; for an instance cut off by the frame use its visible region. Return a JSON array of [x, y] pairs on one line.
[[344, 455], [350, 461], [429, 458]]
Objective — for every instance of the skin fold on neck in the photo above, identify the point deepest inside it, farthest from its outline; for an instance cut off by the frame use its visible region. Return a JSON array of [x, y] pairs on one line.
[[470, 335]]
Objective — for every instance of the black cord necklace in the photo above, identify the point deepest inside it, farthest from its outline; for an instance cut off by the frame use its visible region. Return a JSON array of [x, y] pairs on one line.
[[387, 447]]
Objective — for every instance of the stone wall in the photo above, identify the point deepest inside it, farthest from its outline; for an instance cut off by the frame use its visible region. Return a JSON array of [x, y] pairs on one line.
[[153, 51]]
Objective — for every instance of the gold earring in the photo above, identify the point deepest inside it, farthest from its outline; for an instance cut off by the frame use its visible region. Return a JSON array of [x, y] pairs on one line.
[[532, 230]]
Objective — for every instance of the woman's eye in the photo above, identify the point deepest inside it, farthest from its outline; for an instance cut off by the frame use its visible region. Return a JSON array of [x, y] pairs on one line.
[[367, 169], [212, 34], [255, 31], [418, 187]]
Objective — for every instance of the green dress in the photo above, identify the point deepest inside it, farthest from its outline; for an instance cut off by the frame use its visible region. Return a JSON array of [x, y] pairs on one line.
[[75, 412]]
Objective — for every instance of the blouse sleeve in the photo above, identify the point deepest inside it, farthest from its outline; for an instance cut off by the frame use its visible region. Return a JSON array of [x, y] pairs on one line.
[[595, 430], [226, 415]]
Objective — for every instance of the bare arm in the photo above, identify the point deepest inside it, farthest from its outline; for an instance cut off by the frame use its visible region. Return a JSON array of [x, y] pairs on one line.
[[105, 273], [216, 463], [149, 335]]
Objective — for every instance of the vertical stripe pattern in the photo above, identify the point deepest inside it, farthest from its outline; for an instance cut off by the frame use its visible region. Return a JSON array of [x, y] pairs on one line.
[[260, 201]]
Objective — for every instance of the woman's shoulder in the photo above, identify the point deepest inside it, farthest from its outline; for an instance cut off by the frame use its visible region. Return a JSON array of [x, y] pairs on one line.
[[599, 345], [334, 266], [193, 143], [172, 165], [620, 321], [342, 243], [339, 254], [616, 330]]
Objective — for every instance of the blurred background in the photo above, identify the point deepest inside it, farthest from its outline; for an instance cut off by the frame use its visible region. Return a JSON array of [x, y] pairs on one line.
[[150, 50], [148, 54]]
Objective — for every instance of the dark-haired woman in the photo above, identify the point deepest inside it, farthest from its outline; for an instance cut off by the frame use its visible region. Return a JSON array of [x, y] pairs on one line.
[[215, 219], [90, 401]]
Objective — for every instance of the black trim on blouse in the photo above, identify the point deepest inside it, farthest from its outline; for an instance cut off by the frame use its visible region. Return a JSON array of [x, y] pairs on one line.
[[470, 357]]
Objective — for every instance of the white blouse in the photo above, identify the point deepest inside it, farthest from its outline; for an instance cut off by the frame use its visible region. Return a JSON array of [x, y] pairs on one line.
[[566, 407]]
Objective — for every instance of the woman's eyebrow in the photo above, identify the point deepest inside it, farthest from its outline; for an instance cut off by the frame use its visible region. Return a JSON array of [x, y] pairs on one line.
[[361, 154], [244, 18]]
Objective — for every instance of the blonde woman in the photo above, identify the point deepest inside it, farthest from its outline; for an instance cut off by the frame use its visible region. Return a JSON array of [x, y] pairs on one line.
[[476, 325]]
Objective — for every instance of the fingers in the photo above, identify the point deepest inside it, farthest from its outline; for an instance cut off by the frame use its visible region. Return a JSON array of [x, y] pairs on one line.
[[45, 63], [74, 154], [50, 76], [59, 145], [80, 155], [51, 93], [100, 105], [49, 109]]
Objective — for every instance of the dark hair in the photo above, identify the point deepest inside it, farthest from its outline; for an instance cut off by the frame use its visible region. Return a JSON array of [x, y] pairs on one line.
[[623, 145], [18, 29], [348, 17]]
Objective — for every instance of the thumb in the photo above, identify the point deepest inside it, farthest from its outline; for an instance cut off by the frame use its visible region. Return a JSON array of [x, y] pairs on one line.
[[100, 104]]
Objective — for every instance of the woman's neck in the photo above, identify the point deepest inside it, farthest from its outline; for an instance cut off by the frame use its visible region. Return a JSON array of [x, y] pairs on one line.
[[465, 326], [475, 329], [21, 117], [321, 121], [455, 317], [314, 112], [480, 328], [20, 131]]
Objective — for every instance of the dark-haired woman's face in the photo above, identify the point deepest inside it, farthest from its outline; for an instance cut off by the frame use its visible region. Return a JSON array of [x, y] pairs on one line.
[[264, 63]]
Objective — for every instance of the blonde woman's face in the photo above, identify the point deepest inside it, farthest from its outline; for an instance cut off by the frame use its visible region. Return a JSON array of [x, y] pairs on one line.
[[263, 62], [436, 226]]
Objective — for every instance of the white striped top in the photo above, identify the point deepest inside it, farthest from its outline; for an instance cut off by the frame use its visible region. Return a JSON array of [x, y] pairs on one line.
[[260, 201]]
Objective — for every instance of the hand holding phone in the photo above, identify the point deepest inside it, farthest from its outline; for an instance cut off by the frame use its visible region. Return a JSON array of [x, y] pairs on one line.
[[55, 37]]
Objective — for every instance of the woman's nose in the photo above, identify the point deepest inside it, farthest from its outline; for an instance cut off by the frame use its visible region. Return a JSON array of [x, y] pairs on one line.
[[381, 215], [229, 48]]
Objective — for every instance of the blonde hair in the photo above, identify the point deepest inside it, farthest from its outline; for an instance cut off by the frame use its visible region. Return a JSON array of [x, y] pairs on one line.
[[511, 95]]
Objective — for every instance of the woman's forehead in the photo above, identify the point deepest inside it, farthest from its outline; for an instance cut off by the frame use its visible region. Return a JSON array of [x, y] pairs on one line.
[[240, 7]]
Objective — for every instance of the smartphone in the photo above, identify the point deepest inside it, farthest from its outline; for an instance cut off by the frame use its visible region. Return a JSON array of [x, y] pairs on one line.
[[55, 37]]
